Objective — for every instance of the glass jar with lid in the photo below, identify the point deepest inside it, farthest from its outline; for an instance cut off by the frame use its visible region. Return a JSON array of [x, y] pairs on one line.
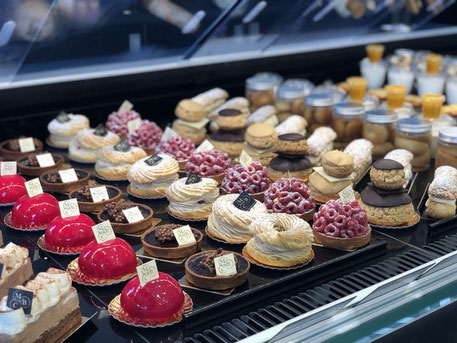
[[415, 135], [319, 109], [347, 122], [379, 128], [446, 147], [290, 97], [261, 89]]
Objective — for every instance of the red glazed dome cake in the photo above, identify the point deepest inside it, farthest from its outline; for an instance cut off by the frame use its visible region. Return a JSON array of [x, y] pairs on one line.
[[35, 212], [11, 188]]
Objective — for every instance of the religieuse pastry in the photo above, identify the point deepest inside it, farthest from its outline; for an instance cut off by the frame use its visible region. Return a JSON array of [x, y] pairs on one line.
[[260, 142], [210, 163], [12, 188], [33, 213], [180, 148], [230, 222], [54, 310], [361, 152], [114, 161], [252, 179], [86, 202], [280, 240], [320, 142], [17, 267], [387, 174], [147, 136], [265, 115], [30, 165], [12, 149], [293, 124], [150, 176], [192, 197], [239, 103], [230, 136], [64, 128], [442, 193], [404, 157], [88, 142]]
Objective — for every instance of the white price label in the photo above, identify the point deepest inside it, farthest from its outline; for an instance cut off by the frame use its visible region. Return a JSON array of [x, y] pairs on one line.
[[26, 144], [133, 214], [8, 168], [134, 124], [68, 175], [33, 187], [69, 208], [347, 194], [225, 265], [167, 134], [125, 106], [45, 160], [184, 235], [147, 272], [245, 159], [103, 232], [194, 124], [206, 145], [99, 193]]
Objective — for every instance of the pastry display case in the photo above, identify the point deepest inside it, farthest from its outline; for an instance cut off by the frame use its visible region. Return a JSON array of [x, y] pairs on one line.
[[220, 119]]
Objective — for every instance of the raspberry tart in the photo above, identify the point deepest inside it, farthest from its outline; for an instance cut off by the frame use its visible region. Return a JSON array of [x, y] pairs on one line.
[[159, 302], [68, 235], [180, 148], [117, 122], [209, 163], [104, 263], [341, 226], [146, 137], [11, 189], [290, 196], [253, 179]]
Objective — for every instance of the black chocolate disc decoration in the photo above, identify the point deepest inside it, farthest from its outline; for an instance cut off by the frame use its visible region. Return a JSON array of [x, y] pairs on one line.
[[293, 137], [63, 117], [100, 130], [384, 198], [229, 112], [122, 146], [20, 298], [153, 160], [244, 202], [290, 163], [387, 164], [193, 178]]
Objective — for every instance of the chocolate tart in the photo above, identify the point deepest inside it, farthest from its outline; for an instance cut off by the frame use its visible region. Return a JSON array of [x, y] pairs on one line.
[[203, 278], [342, 243], [60, 187], [25, 169], [171, 249], [85, 205], [17, 154], [130, 227]]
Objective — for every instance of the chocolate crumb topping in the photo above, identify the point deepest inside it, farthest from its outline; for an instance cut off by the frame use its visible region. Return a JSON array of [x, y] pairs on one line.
[[114, 211], [207, 262], [164, 233], [14, 144], [33, 162], [84, 193], [55, 177]]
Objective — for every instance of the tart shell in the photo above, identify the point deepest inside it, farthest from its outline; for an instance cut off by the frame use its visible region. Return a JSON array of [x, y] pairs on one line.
[[342, 243], [61, 187], [87, 206], [16, 155], [37, 171], [130, 227]]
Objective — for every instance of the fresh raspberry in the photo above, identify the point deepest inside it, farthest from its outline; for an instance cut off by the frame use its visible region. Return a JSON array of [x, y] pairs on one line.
[[117, 121], [330, 215], [361, 218], [272, 193], [216, 170], [205, 170], [331, 230], [352, 224], [278, 208], [319, 224], [248, 178], [340, 222], [345, 210], [350, 233], [147, 136], [291, 208], [179, 147], [291, 191], [209, 159]]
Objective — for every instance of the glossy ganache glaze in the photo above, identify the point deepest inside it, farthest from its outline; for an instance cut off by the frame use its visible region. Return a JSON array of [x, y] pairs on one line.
[[11, 188], [72, 232], [108, 260], [34, 212], [160, 301]]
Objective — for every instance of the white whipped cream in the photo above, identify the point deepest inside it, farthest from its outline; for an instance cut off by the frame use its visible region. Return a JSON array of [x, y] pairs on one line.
[[279, 252], [12, 257]]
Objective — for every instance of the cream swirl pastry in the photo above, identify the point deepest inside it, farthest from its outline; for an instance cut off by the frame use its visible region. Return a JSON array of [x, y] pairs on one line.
[[64, 128], [280, 240], [114, 162], [150, 176], [192, 201], [88, 142], [229, 223]]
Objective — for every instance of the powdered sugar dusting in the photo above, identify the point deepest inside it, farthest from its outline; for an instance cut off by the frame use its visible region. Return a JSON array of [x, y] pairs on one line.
[[321, 137], [444, 184], [360, 150]]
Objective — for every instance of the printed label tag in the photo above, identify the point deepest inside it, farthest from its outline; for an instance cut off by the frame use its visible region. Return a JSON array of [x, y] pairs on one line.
[[69, 208], [45, 160], [26, 144], [134, 124], [33, 187], [245, 159], [153, 160], [125, 106], [194, 124], [103, 232], [206, 145], [122, 146], [99, 193], [18, 298], [225, 265], [68, 175], [193, 178], [133, 214], [168, 133], [8, 168], [147, 272], [347, 194], [184, 235], [244, 202]]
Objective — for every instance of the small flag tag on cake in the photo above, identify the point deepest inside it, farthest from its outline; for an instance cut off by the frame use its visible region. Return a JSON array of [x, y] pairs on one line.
[[26, 144], [245, 159], [8, 168], [225, 265], [103, 232], [33, 187], [18, 298], [68, 175], [69, 208], [45, 160], [206, 145], [99, 193], [153, 160], [133, 214], [244, 202], [168, 133], [134, 124], [125, 106], [184, 235], [193, 178], [347, 194], [147, 272]]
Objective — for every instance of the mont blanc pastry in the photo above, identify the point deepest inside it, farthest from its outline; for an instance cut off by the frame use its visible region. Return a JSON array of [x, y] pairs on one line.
[[150, 176], [404, 157], [320, 142], [192, 197], [442, 193], [88, 142], [280, 240], [114, 161], [361, 152], [64, 128], [231, 224]]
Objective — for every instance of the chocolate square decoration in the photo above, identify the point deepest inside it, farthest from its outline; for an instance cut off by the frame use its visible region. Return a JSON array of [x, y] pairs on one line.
[[244, 202], [63, 117], [153, 160], [122, 146], [193, 178], [100, 130], [1, 269], [19, 298]]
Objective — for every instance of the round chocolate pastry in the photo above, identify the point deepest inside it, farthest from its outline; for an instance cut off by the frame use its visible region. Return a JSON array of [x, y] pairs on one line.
[[53, 183], [387, 174], [388, 207], [291, 144], [231, 119], [229, 141], [337, 163], [85, 201], [114, 212], [289, 166]]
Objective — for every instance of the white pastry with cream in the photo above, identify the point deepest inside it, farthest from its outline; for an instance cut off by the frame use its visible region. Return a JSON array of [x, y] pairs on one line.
[[319, 143], [64, 128], [17, 267]]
